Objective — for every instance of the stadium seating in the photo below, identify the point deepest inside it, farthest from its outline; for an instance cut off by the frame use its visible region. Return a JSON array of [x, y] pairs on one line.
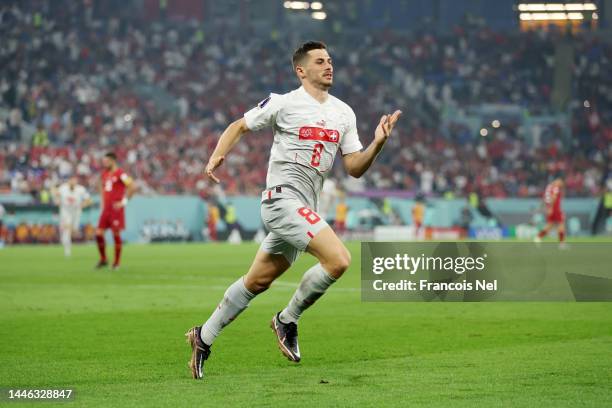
[[159, 95]]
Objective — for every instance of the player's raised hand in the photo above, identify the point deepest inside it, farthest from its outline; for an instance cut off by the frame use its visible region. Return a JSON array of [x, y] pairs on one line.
[[212, 165], [385, 126]]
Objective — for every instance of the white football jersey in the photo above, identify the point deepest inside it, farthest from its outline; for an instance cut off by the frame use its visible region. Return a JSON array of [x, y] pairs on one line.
[[71, 200], [307, 135]]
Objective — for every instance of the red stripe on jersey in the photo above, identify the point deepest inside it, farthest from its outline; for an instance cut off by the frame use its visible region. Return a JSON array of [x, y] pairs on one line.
[[317, 133], [310, 234], [269, 194]]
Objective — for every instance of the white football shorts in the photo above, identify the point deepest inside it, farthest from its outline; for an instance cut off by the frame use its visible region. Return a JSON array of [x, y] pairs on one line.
[[70, 219], [290, 222]]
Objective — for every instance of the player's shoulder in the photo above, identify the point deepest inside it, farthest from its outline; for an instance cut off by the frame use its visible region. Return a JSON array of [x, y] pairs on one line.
[[297, 93], [124, 177], [341, 105], [273, 99], [290, 94], [288, 99]]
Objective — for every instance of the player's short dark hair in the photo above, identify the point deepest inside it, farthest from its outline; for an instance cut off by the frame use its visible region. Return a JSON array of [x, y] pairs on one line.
[[302, 51], [111, 155]]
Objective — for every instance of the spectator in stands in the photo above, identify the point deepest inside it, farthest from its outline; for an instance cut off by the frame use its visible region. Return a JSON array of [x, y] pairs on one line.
[[93, 82]]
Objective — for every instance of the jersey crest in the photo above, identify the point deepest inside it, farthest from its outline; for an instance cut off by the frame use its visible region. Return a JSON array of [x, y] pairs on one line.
[[320, 134]]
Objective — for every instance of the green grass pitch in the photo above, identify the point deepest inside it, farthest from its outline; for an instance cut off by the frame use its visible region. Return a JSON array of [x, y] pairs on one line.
[[117, 338]]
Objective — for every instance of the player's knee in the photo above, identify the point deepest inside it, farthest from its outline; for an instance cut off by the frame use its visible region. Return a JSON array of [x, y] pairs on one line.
[[339, 264], [257, 284]]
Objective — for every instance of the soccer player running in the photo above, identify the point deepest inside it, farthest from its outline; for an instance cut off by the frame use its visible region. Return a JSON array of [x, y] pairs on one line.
[[554, 214], [116, 188], [309, 127], [71, 197]]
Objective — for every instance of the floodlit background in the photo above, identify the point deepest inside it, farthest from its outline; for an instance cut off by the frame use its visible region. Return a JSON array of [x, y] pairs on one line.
[[497, 99]]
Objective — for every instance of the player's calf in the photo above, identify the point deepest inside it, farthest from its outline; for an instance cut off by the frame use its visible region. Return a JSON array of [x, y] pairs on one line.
[[118, 246], [313, 285], [66, 239], [235, 300], [101, 243], [337, 265], [264, 270], [257, 284]]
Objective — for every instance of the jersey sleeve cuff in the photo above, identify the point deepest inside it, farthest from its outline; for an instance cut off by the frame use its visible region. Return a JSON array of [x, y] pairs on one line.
[[352, 148], [249, 121]]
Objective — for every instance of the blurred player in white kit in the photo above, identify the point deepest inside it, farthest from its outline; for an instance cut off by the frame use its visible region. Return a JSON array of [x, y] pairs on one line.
[[71, 197]]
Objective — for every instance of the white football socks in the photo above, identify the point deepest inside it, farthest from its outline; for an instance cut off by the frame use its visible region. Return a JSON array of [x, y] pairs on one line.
[[237, 297], [235, 300], [314, 283], [66, 241]]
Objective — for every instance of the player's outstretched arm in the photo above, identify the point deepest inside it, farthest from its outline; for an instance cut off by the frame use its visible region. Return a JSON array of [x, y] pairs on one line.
[[356, 164], [86, 203], [101, 192], [55, 195], [130, 188], [226, 142]]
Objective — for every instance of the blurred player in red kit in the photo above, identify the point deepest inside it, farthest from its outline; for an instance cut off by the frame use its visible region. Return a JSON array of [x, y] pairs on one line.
[[116, 188], [554, 214]]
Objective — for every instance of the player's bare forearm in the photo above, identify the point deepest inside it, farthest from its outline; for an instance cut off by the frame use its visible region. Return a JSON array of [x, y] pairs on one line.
[[227, 141], [356, 164], [101, 191], [86, 203], [229, 138], [55, 196], [130, 190]]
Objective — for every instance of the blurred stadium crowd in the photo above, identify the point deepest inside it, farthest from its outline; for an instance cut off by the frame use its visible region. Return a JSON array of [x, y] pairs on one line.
[[159, 94]]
